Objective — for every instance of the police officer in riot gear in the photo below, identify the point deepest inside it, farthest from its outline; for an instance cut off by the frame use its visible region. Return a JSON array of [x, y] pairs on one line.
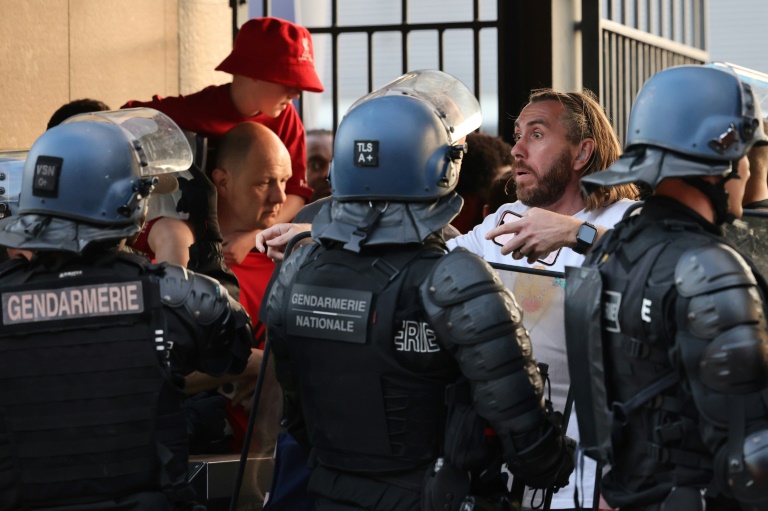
[[89, 411], [666, 324], [379, 335]]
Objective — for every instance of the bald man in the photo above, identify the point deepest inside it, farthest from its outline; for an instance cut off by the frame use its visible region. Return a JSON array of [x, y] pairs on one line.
[[252, 169]]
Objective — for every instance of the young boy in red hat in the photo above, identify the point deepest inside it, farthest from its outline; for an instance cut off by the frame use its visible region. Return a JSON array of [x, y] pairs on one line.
[[271, 62]]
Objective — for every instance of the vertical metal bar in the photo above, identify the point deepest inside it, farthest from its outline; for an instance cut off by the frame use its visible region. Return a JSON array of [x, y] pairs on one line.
[[605, 79], [647, 55], [629, 74], [704, 26], [504, 39], [404, 34], [615, 74], [618, 56], [370, 61], [591, 48], [476, 50], [335, 60], [624, 15], [672, 21], [608, 74], [696, 36], [650, 12], [635, 71], [440, 49], [637, 14]]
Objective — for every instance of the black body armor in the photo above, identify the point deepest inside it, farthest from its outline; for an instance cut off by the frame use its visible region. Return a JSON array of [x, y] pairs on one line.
[[90, 413], [364, 356], [670, 388]]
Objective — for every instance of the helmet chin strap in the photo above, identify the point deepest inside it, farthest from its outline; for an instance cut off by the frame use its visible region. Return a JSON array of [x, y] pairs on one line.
[[716, 194]]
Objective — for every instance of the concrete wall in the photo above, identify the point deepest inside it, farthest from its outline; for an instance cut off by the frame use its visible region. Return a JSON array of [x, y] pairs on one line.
[[566, 45], [55, 51]]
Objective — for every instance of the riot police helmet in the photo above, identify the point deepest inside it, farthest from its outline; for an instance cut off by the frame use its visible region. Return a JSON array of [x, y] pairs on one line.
[[89, 179], [404, 142], [686, 121]]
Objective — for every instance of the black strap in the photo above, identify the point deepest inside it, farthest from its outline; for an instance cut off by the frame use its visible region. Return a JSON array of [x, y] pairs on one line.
[[644, 351], [361, 231], [622, 411], [679, 457], [716, 194], [382, 270]]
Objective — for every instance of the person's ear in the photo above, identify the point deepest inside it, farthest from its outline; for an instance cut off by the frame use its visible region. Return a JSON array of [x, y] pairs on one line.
[[221, 181], [584, 156]]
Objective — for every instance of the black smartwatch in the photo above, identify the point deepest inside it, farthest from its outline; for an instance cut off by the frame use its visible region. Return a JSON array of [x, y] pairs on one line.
[[585, 238]]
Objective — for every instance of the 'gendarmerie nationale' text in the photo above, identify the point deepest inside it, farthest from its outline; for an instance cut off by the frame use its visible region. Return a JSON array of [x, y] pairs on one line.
[[329, 313]]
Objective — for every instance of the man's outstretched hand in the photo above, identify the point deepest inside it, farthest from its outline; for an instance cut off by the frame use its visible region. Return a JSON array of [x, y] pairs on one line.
[[273, 240]]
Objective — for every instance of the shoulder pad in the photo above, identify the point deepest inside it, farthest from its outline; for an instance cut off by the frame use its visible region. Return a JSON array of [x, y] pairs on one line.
[[459, 276], [703, 270], [203, 297]]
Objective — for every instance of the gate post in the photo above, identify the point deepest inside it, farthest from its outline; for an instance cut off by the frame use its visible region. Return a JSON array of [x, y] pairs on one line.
[[525, 56]]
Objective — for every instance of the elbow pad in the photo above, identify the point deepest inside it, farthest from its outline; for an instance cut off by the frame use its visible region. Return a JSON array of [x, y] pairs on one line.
[[222, 327], [724, 312], [722, 337], [748, 480], [478, 320]]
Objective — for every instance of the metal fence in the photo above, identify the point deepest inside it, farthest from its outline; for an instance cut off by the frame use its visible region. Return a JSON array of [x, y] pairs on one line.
[[505, 48], [404, 31], [476, 41], [625, 42]]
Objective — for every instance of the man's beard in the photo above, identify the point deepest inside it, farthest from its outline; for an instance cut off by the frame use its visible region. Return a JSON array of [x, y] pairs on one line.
[[550, 186]]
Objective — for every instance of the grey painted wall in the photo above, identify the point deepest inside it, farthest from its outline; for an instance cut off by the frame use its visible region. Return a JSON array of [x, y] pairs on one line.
[[737, 30]]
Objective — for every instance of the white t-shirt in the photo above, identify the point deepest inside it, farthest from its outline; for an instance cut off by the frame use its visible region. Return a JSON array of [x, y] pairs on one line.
[[542, 304]]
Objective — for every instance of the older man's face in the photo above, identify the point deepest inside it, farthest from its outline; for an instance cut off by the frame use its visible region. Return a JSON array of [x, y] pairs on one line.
[[255, 192]]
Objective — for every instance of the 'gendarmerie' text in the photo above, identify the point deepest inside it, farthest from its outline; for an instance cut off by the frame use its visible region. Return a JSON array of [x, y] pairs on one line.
[[72, 302], [328, 302]]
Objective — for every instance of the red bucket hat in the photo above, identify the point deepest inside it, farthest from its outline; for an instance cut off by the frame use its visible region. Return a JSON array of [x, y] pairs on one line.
[[274, 50]]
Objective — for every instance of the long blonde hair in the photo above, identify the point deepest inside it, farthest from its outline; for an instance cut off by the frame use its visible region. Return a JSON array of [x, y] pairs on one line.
[[585, 118]]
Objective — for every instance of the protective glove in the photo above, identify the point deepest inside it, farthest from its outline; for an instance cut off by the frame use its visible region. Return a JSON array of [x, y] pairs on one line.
[[567, 464], [557, 474], [198, 199], [205, 417]]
